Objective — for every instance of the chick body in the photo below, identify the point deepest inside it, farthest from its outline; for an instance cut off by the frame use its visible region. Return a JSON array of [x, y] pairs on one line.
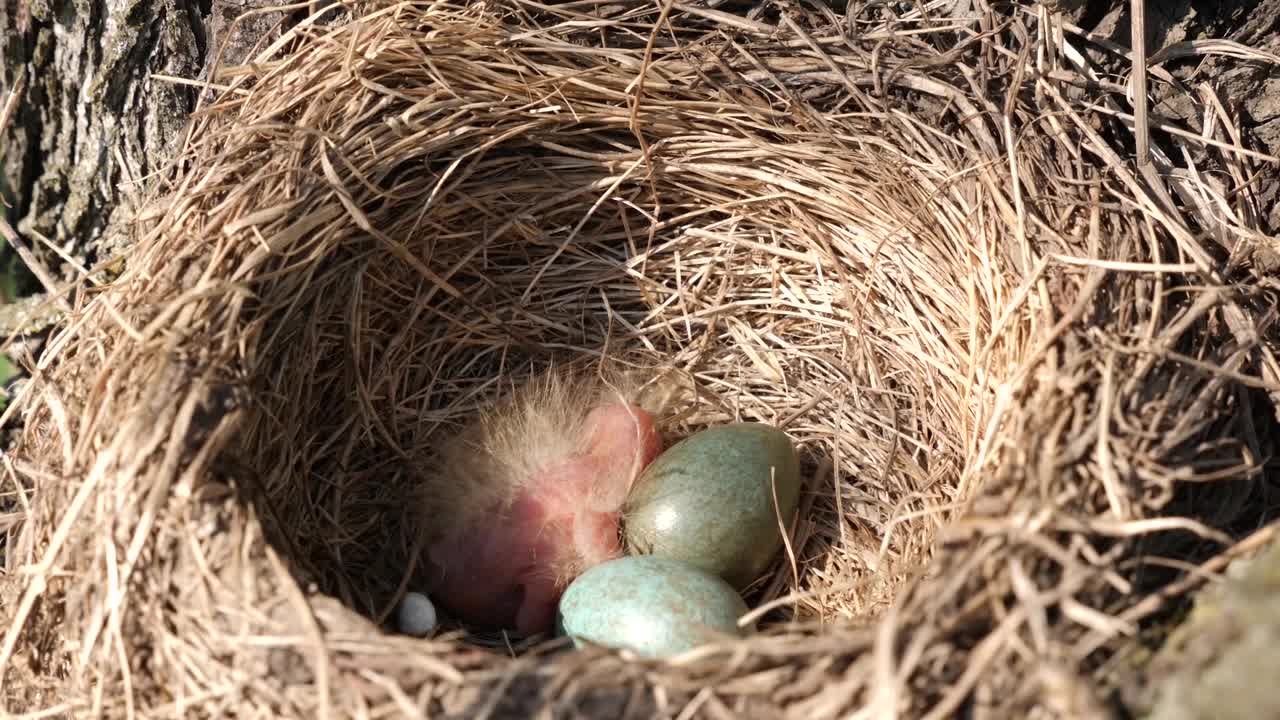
[[530, 497]]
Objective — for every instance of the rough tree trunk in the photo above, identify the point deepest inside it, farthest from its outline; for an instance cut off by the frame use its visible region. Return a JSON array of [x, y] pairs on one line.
[[98, 117]]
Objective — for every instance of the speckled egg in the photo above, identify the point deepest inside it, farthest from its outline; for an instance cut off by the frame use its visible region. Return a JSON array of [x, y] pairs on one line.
[[654, 607], [709, 501]]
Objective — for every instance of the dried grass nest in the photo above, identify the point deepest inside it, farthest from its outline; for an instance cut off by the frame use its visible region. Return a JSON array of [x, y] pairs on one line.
[[1033, 381]]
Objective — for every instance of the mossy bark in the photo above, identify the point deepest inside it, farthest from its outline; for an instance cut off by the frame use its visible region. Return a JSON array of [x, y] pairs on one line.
[[1220, 664]]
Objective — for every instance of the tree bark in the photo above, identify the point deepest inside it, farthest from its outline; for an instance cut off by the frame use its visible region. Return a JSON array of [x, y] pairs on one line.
[[99, 114]]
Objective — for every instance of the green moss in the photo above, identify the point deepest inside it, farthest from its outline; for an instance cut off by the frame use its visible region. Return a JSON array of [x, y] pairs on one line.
[[16, 281], [1221, 663]]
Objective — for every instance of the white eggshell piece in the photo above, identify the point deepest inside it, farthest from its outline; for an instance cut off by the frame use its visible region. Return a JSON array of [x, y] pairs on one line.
[[417, 616]]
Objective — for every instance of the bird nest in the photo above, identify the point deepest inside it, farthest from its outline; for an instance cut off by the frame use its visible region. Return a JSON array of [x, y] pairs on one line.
[[1031, 378]]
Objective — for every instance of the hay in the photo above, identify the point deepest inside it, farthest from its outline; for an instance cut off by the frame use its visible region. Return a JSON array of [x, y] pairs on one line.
[[1029, 377]]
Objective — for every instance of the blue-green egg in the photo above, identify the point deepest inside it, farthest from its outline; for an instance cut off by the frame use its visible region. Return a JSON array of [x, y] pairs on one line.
[[654, 607], [709, 501]]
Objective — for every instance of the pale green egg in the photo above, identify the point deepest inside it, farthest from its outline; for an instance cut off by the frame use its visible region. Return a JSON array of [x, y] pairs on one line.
[[710, 501], [654, 607]]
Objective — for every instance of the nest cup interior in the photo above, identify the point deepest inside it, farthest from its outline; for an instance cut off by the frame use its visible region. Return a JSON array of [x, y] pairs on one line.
[[438, 260], [744, 303]]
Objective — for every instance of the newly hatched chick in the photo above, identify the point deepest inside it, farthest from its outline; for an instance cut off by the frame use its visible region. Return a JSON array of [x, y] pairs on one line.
[[530, 495]]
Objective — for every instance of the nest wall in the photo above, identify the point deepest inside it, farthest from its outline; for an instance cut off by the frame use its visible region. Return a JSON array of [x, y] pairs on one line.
[[1021, 370]]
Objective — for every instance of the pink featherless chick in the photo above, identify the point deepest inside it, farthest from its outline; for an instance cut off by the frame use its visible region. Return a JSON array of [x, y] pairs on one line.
[[531, 495]]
